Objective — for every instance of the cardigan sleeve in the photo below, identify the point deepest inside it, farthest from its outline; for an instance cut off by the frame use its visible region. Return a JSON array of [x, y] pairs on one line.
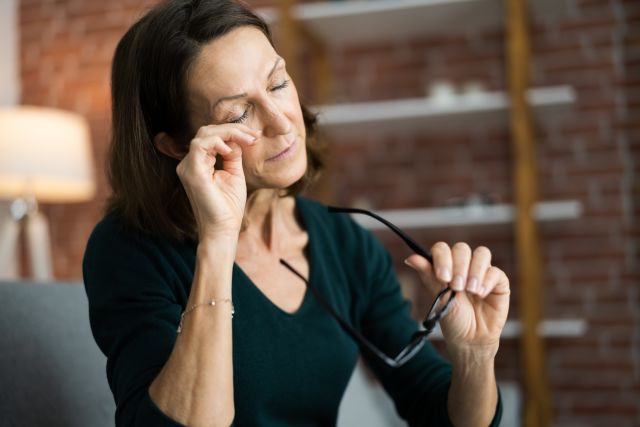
[[420, 387], [133, 314]]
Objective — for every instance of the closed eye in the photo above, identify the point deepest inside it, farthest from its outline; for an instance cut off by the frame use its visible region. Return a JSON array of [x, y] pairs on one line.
[[281, 85], [244, 115], [242, 118]]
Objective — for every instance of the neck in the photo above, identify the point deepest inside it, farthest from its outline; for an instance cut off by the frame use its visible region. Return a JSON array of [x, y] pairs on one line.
[[265, 218]]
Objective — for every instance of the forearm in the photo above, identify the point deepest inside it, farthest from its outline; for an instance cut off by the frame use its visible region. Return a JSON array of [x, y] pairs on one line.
[[473, 394], [195, 387]]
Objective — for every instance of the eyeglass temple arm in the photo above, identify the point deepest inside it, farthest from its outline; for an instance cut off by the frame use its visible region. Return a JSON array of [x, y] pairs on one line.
[[408, 240], [347, 327], [432, 320]]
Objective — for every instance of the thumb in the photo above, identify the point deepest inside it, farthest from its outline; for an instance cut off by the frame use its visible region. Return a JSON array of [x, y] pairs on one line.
[[232, 161]]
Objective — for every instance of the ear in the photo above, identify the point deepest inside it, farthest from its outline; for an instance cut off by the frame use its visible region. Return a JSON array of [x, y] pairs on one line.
[[169, 147]]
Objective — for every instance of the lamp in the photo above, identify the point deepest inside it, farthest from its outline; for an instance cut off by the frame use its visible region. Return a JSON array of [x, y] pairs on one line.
[[45, 156]]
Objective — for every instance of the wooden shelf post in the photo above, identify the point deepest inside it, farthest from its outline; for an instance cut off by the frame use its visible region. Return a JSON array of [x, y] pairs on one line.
[[288, 36], [537, 409]]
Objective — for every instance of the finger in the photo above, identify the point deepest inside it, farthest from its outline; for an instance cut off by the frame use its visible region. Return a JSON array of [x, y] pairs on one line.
[[236, 132], [442, 262], [492, 277], [208, 148], [502, 287], [201, 158], [232, 162], [480, 263], [211, 145], [424, 269], [461, 255]]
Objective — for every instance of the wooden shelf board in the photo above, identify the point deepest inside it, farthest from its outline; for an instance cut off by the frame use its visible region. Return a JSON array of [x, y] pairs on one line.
[[549, 328], [483, 110], [358, 22], [470, 215]]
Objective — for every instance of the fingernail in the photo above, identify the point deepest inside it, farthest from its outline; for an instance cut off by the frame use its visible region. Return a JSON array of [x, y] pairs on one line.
[[406, 261], [445, 274], [473, 285], [458, 283]]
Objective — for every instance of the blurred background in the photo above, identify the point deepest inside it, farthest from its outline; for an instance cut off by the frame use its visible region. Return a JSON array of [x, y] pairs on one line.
[[422, 105]]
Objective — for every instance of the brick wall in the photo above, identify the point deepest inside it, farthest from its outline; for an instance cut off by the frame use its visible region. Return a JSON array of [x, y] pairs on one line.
[[65, 54], [590, 155]]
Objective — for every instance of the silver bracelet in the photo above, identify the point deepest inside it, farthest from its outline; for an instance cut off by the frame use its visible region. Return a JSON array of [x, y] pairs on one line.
[[211, 302]]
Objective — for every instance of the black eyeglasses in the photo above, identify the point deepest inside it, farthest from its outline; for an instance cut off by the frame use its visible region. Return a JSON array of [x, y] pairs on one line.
[[438, 309]]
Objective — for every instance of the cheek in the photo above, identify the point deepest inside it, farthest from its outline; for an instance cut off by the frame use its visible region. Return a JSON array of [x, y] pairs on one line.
[[249, 158], [294, 103]]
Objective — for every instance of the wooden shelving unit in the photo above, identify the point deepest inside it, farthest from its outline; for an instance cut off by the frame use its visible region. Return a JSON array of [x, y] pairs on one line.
[[364, 22]]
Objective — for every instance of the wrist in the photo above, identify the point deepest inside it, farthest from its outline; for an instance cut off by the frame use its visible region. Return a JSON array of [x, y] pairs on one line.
[[472, 355], [213, 273], [221, 246], [218, 238]]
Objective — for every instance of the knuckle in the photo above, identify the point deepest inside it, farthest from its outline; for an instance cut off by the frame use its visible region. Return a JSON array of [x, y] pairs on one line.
[[203, 131], [494, 271], [504, 277]]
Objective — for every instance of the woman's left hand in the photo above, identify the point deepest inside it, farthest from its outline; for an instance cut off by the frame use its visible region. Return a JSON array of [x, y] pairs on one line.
[[479, 310]]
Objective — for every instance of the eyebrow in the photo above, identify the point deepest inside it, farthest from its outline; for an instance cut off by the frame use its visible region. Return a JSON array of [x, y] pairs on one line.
[[244, 94]]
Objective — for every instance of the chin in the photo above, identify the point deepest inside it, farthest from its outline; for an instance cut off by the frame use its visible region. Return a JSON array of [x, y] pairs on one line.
[[289, 179]]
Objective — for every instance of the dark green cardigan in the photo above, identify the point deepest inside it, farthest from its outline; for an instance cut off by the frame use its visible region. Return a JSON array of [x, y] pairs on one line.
[[289, 369]]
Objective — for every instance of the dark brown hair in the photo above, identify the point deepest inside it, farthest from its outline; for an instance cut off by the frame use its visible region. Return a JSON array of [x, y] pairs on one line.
[[148, 90]]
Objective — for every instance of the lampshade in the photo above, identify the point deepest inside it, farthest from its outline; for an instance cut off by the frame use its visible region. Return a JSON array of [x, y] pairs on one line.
[[45, 153]]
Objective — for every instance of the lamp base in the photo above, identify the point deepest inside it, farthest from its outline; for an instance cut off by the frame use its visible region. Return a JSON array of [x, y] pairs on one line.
[[9, 231], [25, 211], [39, 245]]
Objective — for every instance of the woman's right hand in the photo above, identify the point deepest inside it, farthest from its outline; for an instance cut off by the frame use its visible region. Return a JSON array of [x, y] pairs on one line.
[[217, 193]]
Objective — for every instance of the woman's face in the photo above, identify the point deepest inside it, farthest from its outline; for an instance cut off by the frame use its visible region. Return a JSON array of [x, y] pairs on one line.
[[239, 78]]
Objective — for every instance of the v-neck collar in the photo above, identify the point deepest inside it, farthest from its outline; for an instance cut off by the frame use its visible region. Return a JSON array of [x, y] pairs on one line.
[[309, 251]]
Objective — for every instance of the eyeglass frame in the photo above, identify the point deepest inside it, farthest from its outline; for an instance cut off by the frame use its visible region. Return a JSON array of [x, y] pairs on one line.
[[418, 339]]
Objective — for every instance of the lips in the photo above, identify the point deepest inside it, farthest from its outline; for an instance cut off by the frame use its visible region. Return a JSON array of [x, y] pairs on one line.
[[284, 152]]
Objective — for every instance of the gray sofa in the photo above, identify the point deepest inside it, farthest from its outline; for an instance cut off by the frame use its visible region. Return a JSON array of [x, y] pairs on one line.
[[51, 370], [52, 373]]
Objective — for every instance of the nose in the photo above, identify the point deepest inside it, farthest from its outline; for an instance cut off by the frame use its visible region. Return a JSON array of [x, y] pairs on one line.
[[275, 122]]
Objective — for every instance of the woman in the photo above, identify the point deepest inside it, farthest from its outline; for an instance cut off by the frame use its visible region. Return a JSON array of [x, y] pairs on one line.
[[210, 148]]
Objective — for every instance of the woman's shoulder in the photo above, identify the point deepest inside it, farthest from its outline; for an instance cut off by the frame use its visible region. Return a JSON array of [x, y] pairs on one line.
[[109, 225], [114, 241], [112, 233], [113, 230], [118, 258]]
